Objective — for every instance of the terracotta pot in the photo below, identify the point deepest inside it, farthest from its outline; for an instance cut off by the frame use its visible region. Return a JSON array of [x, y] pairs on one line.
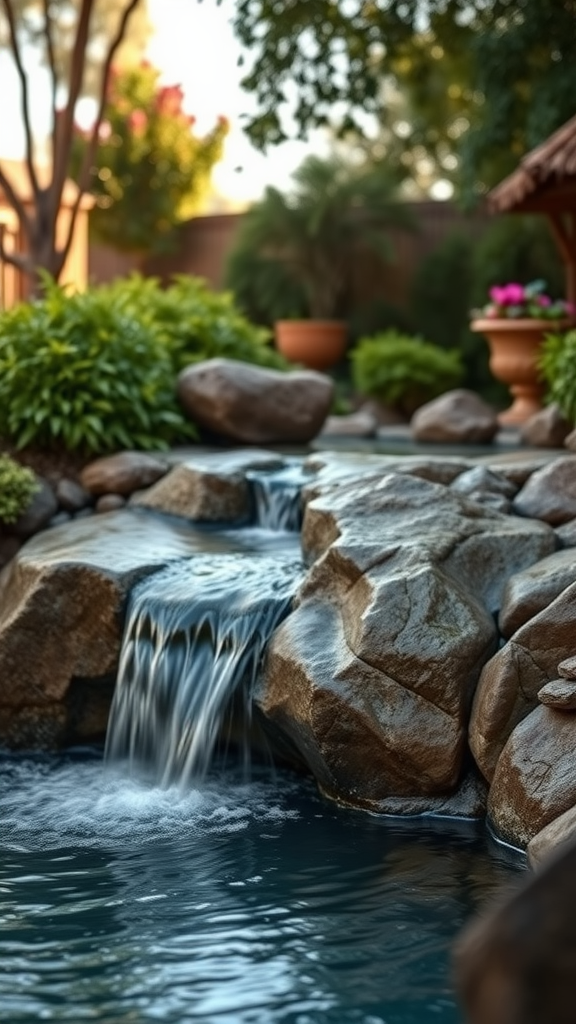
[[317, 344], [514, 351]]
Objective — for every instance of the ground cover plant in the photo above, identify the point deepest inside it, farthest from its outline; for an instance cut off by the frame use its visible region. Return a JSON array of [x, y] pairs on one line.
[[558, 367]]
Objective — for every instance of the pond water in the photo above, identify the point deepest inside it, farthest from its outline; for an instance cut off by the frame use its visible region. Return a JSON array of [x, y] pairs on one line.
[[228, 902], [161, 886]]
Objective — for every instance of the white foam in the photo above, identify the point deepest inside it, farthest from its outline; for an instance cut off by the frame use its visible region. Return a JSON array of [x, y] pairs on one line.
[[52, 804]]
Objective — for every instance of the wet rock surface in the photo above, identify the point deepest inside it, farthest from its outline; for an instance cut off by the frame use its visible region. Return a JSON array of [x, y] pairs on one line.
[[415, 580], [550, 493]]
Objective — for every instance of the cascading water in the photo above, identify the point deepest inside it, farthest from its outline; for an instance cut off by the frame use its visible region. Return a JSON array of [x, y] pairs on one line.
[[194, 640], [277, 497]]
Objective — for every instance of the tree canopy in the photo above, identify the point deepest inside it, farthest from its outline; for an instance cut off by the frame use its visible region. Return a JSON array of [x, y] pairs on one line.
[[481, 80]]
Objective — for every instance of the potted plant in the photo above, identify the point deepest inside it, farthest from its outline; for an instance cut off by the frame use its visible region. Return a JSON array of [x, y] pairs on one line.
[[314, 236], [515, 323]]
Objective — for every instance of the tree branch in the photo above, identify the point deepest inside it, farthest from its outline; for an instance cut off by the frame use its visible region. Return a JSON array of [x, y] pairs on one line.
[[65, 128], [91, 148], [53, 75], [13, 258], [16, 203], [24, 96]]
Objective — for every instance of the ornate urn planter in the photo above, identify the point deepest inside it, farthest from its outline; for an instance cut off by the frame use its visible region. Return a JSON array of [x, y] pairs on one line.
[[514, 350], [317, 344]]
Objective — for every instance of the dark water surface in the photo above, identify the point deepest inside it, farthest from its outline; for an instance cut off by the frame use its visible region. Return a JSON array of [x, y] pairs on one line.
[[231, 902]]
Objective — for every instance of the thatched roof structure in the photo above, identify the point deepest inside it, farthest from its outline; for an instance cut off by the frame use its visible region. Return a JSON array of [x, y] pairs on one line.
[[545, 182]]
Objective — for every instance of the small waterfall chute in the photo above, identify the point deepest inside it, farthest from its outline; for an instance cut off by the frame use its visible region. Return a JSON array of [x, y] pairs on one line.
[[277, 497], [194, 641]]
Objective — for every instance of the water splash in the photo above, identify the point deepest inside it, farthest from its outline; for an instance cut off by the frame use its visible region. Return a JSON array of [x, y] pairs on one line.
[[194, 642]]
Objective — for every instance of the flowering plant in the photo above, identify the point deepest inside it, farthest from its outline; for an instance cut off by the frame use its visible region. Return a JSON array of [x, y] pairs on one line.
[[515, 301]]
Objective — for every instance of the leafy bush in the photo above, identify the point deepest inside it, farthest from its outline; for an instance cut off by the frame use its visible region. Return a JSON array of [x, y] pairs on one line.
[[403, 371], [17, 486], [558, 367], [192, 322], [81, 371]]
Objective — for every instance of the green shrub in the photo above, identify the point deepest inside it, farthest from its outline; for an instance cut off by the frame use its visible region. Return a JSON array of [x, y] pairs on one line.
[[403, 371], [17, 486], [97, 371], [79, 371], [558, 367], [193, 322]]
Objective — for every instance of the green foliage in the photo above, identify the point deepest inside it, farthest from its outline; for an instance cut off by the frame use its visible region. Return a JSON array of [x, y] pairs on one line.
[[151, 171], [263, 287], [483, 81], [97, 371], [79, 371], [403, 371], [316, 233], [17, 486], [516, 248], [558, 367], [192, 322]]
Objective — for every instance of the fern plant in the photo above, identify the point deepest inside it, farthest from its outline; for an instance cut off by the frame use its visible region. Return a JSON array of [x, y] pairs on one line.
[[557, 364]]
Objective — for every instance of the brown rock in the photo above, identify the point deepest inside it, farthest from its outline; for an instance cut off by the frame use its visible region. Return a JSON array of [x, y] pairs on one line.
[[459, 417], [110, 503], [371, 677], [545, 429], [510, 681], [199, 494], [62, 602], [527, 593], [559, 694], [546, 842], [254, 405], [550, 493], [515, 964], [535, 778], [567, 668], [123, 473]]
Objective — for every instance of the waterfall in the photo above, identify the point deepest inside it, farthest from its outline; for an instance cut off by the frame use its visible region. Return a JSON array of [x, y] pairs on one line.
[[277, 498], [193, 643]]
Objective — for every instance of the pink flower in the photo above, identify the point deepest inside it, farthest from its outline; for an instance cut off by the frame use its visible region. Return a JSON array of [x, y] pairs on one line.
[[138, 121], [543, 300], [169, 99], [498, 294], [570, 308], [515, 295]]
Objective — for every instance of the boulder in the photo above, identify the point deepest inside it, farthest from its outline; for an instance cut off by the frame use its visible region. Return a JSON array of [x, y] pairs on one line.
[[566, 534], [527, 593], [198, 493], [109, 503], [371, 677], [510, 681], [459, 417], [550, 493], [486, 487], [515, 963], [535, 778], [38, 514], [123, 473], [546, 842], [62, 603], [545, 429], [72, 496], [253, 405], [567, 668]]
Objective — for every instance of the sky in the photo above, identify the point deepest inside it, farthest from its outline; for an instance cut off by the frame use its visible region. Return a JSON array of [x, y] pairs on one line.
[[193, 45]]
